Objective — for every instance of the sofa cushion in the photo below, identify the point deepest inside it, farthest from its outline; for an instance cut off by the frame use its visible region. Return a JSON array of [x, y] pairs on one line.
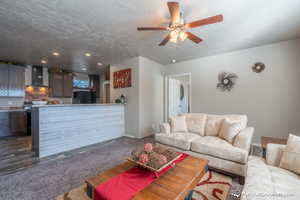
[[264, 181], [243, 119], [178, 124], [213, 125], [229, 130], [220, 148], [285, 182], [274, 154], [179, 140], [196, 123], [290, 159], [258, 180]]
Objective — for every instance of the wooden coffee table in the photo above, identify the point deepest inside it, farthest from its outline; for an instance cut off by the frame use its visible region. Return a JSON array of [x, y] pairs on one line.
[[177, 183]]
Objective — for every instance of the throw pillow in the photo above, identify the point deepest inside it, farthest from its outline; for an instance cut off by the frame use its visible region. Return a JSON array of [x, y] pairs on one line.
[[243, 119], [196, 123], [291, 155], [178, 124], [229, 130], [213, 124]]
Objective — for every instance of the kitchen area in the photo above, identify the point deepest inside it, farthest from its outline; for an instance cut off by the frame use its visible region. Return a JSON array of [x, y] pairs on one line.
[[27, 92]]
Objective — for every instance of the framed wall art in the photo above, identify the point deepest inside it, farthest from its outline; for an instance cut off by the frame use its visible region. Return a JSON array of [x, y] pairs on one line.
[[122, 78]]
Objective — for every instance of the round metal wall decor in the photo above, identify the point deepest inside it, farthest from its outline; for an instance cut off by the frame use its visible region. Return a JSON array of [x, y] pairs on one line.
[[258, 67], [226, 81]]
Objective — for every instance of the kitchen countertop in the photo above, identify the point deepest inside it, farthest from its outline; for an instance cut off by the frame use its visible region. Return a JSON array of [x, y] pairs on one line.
[[74, 105], [12, 109], [21, 109]]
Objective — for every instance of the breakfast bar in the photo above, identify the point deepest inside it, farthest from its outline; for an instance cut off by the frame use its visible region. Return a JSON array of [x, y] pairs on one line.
[[60, 128]]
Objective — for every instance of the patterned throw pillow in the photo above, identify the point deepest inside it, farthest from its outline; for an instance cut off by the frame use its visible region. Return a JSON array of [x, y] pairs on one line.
[[229, 130], [291, 155], [178, 124]]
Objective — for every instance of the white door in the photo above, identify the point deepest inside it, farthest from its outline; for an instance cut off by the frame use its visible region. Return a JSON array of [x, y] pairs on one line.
[[174, 97], [184, 97]]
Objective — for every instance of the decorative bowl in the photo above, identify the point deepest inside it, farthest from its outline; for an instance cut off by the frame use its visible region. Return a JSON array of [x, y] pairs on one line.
[[39, 102], [158, 159]]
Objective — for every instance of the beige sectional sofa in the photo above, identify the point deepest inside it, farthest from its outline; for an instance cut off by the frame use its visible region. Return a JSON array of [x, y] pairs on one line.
[[202, 137], [266, 180]]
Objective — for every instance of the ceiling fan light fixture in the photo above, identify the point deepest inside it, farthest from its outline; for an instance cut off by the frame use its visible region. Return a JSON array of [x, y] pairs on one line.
[[174, 36], [177, 27], [182, 35]]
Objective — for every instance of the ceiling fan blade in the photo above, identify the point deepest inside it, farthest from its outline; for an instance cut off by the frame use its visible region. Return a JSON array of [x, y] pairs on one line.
[[206, 21], [152, 28], [174, 12], [193, 37], [165, 41]]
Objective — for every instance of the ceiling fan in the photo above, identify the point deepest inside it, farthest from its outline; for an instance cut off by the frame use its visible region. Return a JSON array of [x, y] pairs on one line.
[[178, 28]]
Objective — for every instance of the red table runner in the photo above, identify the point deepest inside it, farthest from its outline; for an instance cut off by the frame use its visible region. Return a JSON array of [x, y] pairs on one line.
[[127, 184]]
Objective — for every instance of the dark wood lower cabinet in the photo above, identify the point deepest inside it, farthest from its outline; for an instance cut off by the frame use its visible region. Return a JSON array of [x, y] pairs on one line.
[[4, 124], [13, 124]]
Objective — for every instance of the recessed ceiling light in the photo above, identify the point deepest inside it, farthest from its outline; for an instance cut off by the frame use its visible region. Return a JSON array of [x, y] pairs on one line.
[[87, 54], [55, 53], [173, 61], [43, 61], [84, 69], [99, 64]]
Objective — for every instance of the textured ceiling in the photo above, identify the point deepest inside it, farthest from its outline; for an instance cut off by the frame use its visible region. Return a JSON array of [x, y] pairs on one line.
[[30, 30]]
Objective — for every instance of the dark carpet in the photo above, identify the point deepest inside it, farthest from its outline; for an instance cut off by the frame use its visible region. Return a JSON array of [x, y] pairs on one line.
[[58, 174]]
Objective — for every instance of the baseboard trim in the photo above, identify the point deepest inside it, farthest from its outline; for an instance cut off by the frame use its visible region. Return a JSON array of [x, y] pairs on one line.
[[129, 136]]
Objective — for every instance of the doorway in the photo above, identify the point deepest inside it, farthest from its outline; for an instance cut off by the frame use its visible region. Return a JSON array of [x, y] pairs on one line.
[[178, 93]]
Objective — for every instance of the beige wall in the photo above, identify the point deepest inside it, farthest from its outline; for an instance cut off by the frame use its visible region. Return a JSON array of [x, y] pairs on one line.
[[131, 93], [151, 92], [144, 110], [270, 99]]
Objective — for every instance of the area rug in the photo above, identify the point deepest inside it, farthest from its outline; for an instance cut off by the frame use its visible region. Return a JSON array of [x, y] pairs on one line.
[[213, 186]]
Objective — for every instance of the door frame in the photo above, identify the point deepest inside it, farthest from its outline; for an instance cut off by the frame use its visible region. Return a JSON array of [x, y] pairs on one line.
[[166, 93]]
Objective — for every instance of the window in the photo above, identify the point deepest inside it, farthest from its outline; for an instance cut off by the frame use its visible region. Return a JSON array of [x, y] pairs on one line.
[[80, 83]]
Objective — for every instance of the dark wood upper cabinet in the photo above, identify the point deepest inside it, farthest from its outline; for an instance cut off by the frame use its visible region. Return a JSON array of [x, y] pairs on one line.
[[37, 75], [12, 81], [16, 83], [61, 84], [107, 74], [68, 85], [3, 80], [56, 84], [95, 84]]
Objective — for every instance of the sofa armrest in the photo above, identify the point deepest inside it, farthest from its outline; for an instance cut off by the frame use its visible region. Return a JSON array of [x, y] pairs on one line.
[[274, 154], [244, 138], [165, 128]]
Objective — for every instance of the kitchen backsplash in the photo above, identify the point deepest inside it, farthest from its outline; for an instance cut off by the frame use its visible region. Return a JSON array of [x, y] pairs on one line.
[[36, 93]]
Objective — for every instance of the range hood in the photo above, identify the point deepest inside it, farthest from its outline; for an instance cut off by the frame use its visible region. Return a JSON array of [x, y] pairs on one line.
[[37, 76]]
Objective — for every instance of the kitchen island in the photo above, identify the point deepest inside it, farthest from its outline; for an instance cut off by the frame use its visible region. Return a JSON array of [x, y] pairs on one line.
[[60, 128]]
